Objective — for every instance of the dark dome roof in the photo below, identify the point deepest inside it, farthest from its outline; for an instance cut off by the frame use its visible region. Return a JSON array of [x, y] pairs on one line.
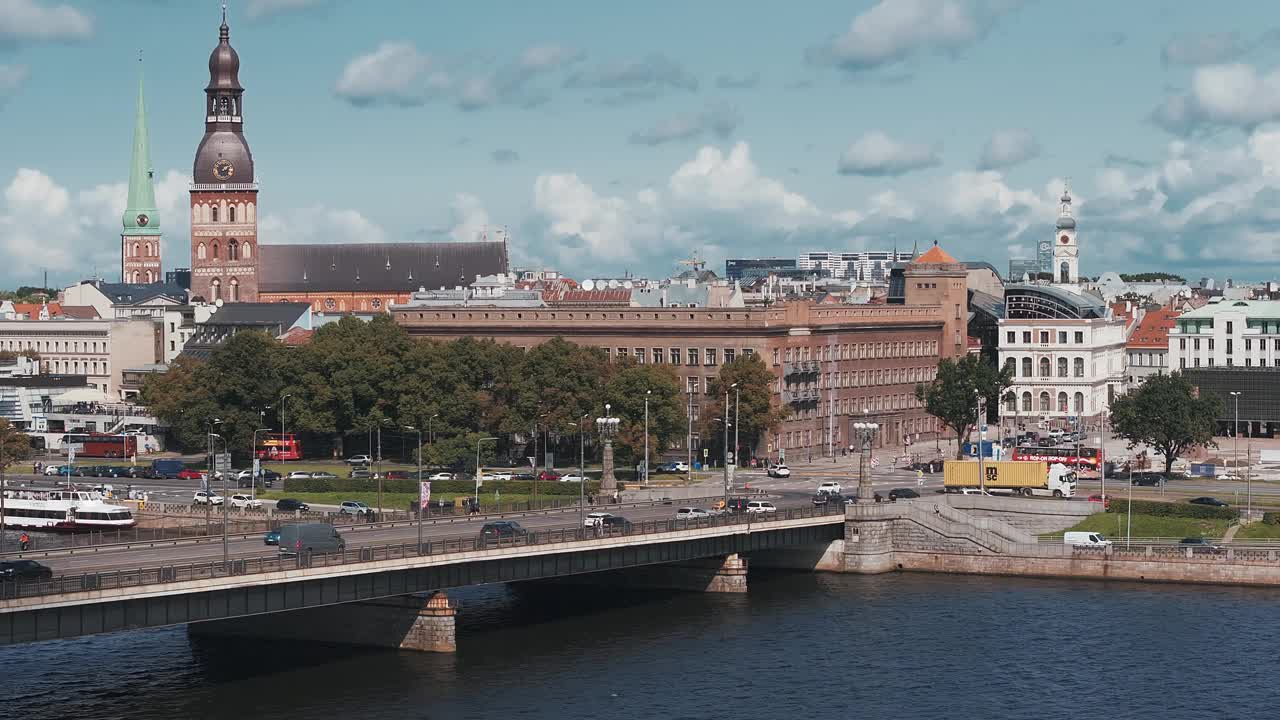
[[223, 145], [224, 63], [1066, 223]]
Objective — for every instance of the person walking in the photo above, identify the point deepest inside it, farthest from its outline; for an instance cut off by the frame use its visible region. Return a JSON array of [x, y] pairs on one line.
[[24, 541]]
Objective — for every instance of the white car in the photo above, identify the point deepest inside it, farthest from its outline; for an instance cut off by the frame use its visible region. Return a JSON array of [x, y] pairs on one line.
[[830, 487], [441, 476], [680, 466], [595, 519], [359, 460], [353, 507], [245, 501], [779, 471], [299, 475], [206, 498], [571, 477], [502, 475], [760, 507], [691, 513]]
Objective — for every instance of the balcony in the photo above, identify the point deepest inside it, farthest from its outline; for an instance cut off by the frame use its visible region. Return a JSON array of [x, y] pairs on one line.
[[223, 186], [800, 398]]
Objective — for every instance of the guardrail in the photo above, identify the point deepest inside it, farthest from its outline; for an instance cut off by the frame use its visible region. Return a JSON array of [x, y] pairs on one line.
[[254, 565], [140, 539]]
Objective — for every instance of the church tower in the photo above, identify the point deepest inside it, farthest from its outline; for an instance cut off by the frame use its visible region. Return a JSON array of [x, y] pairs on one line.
[[1066, 253], [140, 238], [224, 196]]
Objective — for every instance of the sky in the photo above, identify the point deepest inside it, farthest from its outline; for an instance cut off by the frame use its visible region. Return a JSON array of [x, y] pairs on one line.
[[612, 138]]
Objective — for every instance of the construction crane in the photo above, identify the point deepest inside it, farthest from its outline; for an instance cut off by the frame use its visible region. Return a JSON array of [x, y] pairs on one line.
[[694, 262]]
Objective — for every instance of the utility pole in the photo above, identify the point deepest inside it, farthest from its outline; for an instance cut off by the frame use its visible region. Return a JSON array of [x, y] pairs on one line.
[[982, 475], [647, 393]]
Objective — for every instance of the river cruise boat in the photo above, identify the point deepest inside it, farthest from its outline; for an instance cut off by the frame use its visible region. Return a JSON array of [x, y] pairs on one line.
[[63, 510]]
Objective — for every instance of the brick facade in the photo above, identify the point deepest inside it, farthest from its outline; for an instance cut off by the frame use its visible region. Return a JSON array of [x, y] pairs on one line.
[[224, 245]]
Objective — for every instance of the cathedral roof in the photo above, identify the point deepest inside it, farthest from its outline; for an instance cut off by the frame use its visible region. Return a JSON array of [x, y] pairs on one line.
[[376, 267]]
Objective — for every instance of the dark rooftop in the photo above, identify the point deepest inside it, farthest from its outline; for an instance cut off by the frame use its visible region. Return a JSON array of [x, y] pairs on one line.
[[377, 267], [133, 293]]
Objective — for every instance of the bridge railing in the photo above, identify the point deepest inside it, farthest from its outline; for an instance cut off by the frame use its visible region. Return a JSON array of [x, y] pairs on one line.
[[254, 564]]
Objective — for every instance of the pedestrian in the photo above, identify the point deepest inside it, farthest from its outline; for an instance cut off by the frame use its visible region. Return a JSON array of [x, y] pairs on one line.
[[24, 540]]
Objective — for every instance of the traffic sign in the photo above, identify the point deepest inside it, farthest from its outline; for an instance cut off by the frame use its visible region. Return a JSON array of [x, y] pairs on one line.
[[257, 467], [222, 462], [705, 452]]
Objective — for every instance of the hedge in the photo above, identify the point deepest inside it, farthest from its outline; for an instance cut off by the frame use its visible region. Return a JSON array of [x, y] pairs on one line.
[[461, 487], [1271, 518], [1167, 509]]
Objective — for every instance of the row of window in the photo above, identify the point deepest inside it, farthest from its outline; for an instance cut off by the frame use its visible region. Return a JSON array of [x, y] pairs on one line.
[[818, 438], [1248, 344], [75, 367], [55, 346], [676, 356], [1248, 362], [139, 277], [1044, 336], [236, 250], [145, 249], [206, 213], [1148, 359], [860, 378], [856, 351], [215, 290], [1046, 367], [1045, 404]]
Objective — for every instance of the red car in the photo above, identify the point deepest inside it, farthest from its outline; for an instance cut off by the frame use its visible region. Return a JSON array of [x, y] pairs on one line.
[[550, 475], [1105, 500], [189, 474]]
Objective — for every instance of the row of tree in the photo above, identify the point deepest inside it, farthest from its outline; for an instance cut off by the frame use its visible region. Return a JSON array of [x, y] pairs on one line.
[[355, 377]]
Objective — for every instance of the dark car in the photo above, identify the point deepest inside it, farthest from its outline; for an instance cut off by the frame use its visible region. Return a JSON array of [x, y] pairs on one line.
[[1197, 543], [824, 498], [398, 475], [738, 504], [323, 475], [499, 530], [121, 471], [523, 476], [615, 523], [272, 537], [23, 570], [1215, 502], [290, 504], [1147, 479], [904, 493]]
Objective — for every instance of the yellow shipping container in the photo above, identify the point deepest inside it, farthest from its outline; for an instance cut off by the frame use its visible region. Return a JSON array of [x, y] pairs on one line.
[[999, 474]]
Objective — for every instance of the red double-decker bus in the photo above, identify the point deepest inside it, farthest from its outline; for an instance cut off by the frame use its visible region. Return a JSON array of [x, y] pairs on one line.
[[1087, 459], [102, 445], [279, 446]]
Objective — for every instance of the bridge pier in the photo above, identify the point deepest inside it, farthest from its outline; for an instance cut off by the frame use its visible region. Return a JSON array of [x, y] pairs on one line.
[[722, 574], [435, 628]]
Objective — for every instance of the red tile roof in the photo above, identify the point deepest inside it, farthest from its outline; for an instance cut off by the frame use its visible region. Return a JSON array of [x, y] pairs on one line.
[[936, 255], [1153, 330], [297, 336], [32, 310]]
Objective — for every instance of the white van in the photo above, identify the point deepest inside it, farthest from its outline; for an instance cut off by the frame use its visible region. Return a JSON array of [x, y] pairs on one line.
[[1085, 539]]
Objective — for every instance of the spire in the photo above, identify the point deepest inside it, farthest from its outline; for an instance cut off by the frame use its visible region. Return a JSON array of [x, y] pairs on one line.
[[140, 215], [1065, 221], [224, 31]]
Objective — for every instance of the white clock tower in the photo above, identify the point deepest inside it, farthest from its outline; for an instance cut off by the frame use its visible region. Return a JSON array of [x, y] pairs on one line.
[[1066, 253]]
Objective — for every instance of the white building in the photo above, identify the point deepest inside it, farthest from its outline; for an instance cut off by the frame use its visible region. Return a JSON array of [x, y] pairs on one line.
[[98, 349], [868, 266], [1227, 333]]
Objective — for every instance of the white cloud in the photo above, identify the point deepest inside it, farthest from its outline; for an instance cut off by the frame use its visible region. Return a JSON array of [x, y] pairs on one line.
[[877, 154], [895, 30], [264, 8], [11, 76], [28, 20], [1222, 95], [470, 219], [651, 74], [319, 224], [732, 182], [396, 73], [719, 120], [1006, 148]]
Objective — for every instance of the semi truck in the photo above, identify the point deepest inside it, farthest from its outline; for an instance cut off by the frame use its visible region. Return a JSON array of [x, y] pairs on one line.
[[1009, 477]]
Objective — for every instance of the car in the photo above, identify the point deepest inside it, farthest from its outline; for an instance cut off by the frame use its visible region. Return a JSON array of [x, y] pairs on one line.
[[311, 538], [1211, 501], [524, 477], [271, 537], [822, 498], [548, 475], [830, 486], [134, 431], [92, 470], [594, 519], [691, 513], [360, 460], [121, 471], [322, 475], [1104, 499], [189, 474], [501, 475], [299, 475], [400, 475], [361, 474], [24, 570], [760, 507], [245, 501], [206, 498], [779, 471], [737, 504], [1197, 543], [1147, 479], [266, 478], [441, 476], [902, 493], [57, 470], [353, 507], [615, 523], [500, 530], [571, 477], [290, 505], [680, 466]]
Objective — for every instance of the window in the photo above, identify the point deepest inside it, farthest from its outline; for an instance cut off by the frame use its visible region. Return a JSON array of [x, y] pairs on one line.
[[658, 356], [1062, 337], [235, 290], [623, 352], [640, 355], [1044, 368], [1011, 366], [201, 251], [1078, 405], [1079, 366], [1026, 402], [693, 356], [1195, 344], [1229, 344], [246, 252], [1079, 337], [1210, 343], [711, 356], [1228, 327], [1182, 344], [1062, 367], [1062, 402], [231, 214], [691, 385], [1011, 403], [233, 249], [1044, 337], [1026, 368], [215, 289], [1248, 344], [1009, 337], [1044, 402], [728, 356], [215, 251], [215, 213], [1026, 336], [1182, 363]]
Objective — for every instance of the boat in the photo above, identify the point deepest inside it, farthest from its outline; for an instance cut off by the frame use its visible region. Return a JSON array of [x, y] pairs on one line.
[[68, 510]]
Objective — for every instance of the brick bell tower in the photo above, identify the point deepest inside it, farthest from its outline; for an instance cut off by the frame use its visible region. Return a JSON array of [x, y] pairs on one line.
[[224, 196]]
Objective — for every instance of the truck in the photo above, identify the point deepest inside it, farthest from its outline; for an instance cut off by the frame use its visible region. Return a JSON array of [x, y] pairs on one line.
[[1010, 477]]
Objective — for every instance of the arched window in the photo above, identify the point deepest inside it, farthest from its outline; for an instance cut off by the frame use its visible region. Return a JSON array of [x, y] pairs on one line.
[[134, 278], [135, 249], [231, 214], [1062, 367], [246, 251], [215, 257], [201, 251], [1044, 402], [215, 213], [1011, 365], [1044, 362], [1026, 368], [150, 279], [1079, 367], [235, 290], [1062, 402], [215, 289], [1026, 401], [1011, 403], [1079, 403], [233, 249], [1064, 272]]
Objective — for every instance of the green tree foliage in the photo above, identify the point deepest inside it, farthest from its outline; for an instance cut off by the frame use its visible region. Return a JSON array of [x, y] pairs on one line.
[[15, 446], [1165, 413], [952, 396], [626, 392], [1152, 277], [754, 397]]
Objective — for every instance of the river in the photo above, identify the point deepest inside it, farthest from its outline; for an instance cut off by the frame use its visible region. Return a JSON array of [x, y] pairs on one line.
[[798, 645]]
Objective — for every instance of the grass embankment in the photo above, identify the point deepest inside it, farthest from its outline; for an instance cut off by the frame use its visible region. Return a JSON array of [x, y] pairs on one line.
[[1258, 531], [1115, 525]]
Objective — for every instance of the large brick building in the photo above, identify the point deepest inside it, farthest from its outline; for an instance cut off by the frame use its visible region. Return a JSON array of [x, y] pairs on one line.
[[833, 364]]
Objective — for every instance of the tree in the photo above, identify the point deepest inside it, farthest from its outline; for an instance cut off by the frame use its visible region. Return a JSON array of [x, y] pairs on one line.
[[1165, 413], [625, 391], [756, 412], [14, 446], [952, 396]]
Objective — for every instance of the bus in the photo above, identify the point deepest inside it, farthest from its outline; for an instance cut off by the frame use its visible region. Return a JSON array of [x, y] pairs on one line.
[[1088, 459], [279, 446], [102, 445]]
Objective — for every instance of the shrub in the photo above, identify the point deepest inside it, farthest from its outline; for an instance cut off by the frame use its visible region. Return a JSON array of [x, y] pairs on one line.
[[1168, 509], [462, 487], [1271, 518]]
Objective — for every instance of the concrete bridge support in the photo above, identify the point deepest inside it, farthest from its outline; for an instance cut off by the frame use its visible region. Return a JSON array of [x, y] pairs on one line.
[[408, 622], [723, 574]]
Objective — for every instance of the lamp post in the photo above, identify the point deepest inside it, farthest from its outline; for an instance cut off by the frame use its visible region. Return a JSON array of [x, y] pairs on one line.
[[728, 476], [478, 441], [982, 476], [688, 436], [282, 425], [607, 426], [865, 433], [225, 551], [582, 456], [256, 469], [1102, 471], [647, 393], [208, 476], [421, 503], [737, 446], [1235, 451]]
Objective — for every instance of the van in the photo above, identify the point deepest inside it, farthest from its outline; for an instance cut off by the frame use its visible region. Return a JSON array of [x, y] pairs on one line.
[[166, 468], [310, 538], [1085, 539]]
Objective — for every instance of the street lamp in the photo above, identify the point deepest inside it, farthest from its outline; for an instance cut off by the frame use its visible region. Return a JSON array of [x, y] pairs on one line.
[[982, 477], [208, 475], [737, 446], [607, 426], [478, 441], [256, 468], [865, 433], [728, 478], [282, 426], [1235, 452], [582, 453], [208, 499], [422, 502], [647, 393]]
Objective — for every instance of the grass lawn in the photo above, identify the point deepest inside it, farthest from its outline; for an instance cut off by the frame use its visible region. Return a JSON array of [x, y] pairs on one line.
[[1259, 531], [1114, 525]]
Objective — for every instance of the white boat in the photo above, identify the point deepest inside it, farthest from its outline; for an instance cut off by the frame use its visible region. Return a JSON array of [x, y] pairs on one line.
[[63, 510]]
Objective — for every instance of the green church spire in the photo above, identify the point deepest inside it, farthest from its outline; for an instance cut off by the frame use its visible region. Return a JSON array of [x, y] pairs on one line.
[[141, 216]]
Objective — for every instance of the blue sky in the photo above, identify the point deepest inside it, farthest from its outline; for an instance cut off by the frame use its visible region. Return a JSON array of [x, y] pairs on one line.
[[612, 137]]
